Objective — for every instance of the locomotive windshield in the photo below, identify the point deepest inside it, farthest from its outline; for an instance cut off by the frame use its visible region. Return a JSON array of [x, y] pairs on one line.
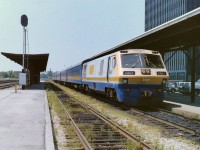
[[141, 61]]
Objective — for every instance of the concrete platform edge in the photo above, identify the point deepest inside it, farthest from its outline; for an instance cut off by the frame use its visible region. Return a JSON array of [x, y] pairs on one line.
[[185, 110], [49, 142], [187, 114]]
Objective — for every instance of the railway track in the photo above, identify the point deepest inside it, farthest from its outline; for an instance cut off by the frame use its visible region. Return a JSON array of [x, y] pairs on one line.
[[178, 115], [96, 131], [7, 83], [192, 124], [179, 126], [175, 124]]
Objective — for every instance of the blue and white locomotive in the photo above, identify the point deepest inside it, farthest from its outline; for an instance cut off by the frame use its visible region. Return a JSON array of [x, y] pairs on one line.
[[133, 76]]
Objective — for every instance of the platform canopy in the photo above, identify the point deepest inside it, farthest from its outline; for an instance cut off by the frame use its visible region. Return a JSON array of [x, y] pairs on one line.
[[179, 33], [38, 61]]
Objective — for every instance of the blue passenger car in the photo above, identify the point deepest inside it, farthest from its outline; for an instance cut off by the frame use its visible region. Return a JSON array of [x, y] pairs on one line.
[[74, 76], [63, 76]]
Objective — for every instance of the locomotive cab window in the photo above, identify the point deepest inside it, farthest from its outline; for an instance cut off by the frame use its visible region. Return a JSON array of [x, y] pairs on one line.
[[131, 61], [141, 61], [153, 61]]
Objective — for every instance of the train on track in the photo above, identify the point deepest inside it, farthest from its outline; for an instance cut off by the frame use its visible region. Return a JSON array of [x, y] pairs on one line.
[[133, 76]]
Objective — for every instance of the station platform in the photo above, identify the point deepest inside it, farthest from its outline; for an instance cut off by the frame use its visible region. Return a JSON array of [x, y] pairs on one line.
[[181, 104], [25, 120]]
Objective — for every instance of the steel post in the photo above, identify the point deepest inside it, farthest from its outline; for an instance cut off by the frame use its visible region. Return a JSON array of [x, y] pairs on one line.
[[193, 75]]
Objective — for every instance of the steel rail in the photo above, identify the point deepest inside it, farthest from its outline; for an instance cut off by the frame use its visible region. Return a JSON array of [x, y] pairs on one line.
[[170, 112], [7, 81], [6, 85], [167, 122], [130, 136], [82, 138]]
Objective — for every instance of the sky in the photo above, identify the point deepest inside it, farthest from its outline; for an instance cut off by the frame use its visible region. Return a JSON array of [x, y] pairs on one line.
[[69, 30]]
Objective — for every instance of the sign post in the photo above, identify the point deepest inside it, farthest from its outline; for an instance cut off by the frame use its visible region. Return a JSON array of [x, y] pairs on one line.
[[24, 23]]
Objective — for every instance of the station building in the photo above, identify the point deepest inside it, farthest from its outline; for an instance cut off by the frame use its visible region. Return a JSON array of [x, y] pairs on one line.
[[158, 12]]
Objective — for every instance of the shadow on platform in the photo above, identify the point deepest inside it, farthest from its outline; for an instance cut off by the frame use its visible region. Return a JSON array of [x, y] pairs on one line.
[[40, 86]]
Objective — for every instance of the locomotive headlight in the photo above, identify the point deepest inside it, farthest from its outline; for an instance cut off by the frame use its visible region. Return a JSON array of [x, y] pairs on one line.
[[143, 71], [125, 80], [146, 71]]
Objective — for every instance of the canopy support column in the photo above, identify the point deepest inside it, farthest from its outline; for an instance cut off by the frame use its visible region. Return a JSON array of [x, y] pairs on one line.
[[193, 75]]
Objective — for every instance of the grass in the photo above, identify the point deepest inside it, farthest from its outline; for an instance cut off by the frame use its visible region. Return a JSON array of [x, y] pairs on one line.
[[135, 146]]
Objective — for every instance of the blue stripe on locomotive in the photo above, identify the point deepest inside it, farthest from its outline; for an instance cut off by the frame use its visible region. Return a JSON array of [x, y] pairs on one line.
[[134, 96], [75, 71]]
